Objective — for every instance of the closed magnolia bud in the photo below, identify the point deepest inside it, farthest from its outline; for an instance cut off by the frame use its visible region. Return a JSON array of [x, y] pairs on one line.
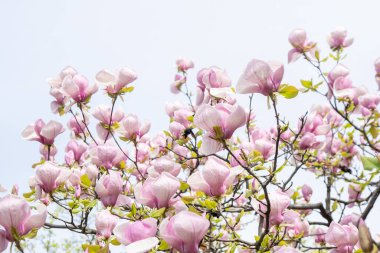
[[365, 239]]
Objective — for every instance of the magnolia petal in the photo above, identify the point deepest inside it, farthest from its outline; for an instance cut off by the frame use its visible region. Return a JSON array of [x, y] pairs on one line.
[[142, 246]]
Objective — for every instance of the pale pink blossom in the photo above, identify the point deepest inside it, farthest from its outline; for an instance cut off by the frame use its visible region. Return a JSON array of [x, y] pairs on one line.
[[279, 201], [184, 64], [157, 191], [129, 232], [214, 178], [261, 77], [213, 77], [131, 127], [49, 177], [298, 39], [319, 234], [164, 164], [338, 39], [184, 231], [116, 81], [295, 225], [15, 213], [307, 192], [109, 187], [59, 105], [43, 133], [106, 155], [78, 88], [105, 222], [75, 152], [220, 122], [344, 237]]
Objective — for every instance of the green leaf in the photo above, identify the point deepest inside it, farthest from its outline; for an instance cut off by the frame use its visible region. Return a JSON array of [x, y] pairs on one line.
[[127, 89], [184, 186], [85, 180], [369, 163], [210, 204], [32, 234], [307, 84], [334, 206], [163, 245], [91, 248], [158, 213], [288, 91]]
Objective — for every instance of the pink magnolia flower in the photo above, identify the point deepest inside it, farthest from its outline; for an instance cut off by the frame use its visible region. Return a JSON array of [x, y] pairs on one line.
[[298, 40], [344, 237], [354, 192], [377, 69], [213, 77], [338, 39], [43, 133], [306, 191], [109, 187], [132, 129], [103, 113], [129, 232], [309, 140], [338, 71], [116, 81], [215, 177], [15, 213], [49, 177], [142, 246], [179, 80], [77, 126], [184, 231], [182, 116], [157, 191], [279, 201], [61, 99], [48, 152], [220, 122], [105, 222], [164, 164], [353, 218], [261, 77], [75, 152], [368, 103], [176, 129], [77, 87], [295, 225], [106, 155], [184, 64], [265, 147], [319, 233]]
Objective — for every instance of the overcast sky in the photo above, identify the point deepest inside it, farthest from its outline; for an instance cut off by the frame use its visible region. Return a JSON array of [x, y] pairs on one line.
[[39, 38]]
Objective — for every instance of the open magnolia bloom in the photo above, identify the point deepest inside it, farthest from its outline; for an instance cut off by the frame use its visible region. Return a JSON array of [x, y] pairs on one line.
[[115, 82], [220, 122], [260, 77], [184, 231], [43, 133], [215, 177], [17, 218]]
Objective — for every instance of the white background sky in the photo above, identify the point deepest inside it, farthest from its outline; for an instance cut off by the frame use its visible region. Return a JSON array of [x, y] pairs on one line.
[[39, 38]]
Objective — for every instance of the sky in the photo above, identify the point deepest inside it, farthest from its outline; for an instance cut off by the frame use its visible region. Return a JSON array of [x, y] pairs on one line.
[[39, 38]]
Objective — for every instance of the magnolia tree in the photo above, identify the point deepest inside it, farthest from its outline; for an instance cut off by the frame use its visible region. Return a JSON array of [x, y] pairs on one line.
[[213, 177]]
